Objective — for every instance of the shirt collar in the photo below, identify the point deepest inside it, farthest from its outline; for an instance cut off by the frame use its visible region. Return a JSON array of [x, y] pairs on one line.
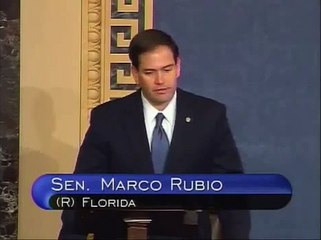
[[150, 111]]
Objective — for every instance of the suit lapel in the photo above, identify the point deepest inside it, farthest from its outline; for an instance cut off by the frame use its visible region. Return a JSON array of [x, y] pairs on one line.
[[135, 127], [176, 161]]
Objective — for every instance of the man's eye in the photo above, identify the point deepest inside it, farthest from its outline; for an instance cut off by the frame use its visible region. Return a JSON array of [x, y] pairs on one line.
[[167, 69], [148, 73]]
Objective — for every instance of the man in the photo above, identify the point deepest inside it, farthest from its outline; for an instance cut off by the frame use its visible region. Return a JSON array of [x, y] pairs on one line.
[[158, 129]]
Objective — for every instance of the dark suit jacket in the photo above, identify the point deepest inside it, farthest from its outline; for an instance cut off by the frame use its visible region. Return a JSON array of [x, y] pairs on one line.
[[116, 142]]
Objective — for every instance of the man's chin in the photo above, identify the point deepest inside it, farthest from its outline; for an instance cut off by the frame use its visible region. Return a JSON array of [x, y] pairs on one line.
[[163, 98], [163, 102]]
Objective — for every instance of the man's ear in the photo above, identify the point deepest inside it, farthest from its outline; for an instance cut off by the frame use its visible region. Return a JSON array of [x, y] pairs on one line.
[[135, 74], [178, 67]]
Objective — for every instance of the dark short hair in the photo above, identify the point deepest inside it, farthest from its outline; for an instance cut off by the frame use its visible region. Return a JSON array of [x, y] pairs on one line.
[[148, 40]]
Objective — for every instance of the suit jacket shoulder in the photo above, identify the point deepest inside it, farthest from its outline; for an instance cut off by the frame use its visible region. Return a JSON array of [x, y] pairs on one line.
[[188, 99], [117, 106], [198, 99], [203, 108]]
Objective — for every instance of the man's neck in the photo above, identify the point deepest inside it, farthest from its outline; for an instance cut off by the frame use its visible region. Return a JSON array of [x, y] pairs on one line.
[[160, 107]]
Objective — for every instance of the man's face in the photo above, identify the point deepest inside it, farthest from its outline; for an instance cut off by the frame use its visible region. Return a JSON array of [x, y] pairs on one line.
[[157, 75]]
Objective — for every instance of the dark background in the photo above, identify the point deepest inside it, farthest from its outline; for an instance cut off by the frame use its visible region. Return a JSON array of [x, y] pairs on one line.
[[260, 58]]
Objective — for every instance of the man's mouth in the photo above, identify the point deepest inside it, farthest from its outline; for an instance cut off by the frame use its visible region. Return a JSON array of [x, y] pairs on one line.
[[161, 90]]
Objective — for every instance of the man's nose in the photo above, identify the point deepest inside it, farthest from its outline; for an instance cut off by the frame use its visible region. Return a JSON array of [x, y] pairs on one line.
[[159, 78]]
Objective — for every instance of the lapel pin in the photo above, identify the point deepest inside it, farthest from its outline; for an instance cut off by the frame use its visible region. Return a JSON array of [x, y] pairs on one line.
[[188, 119]]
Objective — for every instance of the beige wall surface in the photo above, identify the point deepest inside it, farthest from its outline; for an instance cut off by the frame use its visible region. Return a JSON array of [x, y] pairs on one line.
[[49, 104]]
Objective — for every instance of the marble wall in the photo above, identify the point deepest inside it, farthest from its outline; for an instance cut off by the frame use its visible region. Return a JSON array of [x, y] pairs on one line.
[[9, 116]]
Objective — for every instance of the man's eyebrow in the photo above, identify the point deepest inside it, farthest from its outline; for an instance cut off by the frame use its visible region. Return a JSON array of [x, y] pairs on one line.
[[169, 65], [154, 69], [149, 69]]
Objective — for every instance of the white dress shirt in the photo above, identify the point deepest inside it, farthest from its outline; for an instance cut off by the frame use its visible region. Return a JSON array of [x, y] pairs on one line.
[[168, 123]]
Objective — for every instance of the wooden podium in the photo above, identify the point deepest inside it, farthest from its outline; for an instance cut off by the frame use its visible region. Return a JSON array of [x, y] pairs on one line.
[[137, 228], [137, 224]]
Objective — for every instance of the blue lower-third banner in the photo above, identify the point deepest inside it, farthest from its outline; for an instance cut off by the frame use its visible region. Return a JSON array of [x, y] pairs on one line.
[[162, 191]]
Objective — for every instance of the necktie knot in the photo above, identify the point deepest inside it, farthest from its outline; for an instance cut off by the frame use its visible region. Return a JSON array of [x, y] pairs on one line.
[[159, 119]]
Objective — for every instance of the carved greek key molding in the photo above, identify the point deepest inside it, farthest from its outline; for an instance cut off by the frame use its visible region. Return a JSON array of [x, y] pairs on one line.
[[107, 28]]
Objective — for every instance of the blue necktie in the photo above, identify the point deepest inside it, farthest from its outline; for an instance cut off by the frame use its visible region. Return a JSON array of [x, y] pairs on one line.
[[159, 144]]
